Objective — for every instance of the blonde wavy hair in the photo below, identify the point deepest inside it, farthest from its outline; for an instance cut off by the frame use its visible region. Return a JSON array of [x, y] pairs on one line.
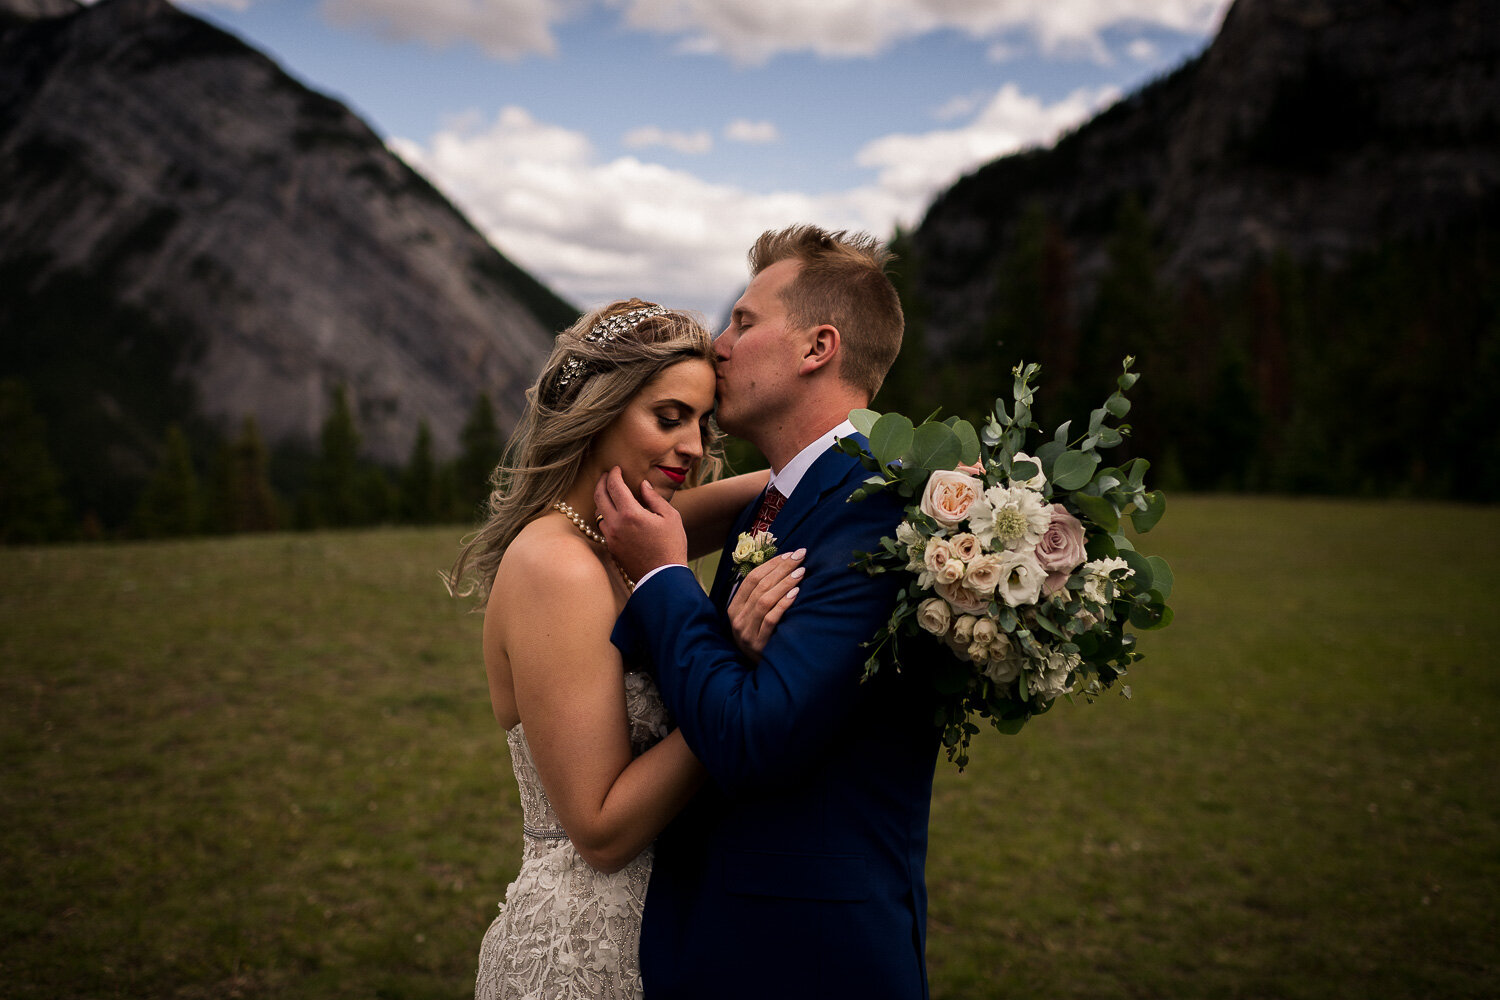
[[596, 368]]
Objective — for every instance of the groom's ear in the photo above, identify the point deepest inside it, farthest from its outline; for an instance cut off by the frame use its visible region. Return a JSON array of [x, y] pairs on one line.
[[822, 347]]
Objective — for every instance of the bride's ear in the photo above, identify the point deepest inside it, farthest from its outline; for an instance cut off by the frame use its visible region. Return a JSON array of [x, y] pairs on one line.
[[822, 348]]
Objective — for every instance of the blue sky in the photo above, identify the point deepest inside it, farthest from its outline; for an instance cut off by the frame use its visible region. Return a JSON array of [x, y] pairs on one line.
[[619, 147]]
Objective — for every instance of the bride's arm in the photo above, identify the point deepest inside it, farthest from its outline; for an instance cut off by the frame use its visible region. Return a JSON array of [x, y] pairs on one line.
[[708, 511], [570, 694]]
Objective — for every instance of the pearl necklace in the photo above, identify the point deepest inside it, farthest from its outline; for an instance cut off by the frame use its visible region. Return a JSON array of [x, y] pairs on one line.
[[568, 512]]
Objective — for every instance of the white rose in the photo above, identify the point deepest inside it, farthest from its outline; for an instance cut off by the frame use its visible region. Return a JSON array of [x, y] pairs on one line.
[[751, 549], [948, 497], [1023, 576], [1037, 481], [933, 615]]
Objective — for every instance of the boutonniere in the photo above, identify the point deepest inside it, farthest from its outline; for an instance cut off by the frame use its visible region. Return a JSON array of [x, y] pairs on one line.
[[752, 550]]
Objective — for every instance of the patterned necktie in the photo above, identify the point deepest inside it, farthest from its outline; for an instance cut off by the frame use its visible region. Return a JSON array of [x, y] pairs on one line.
[[770, 505]]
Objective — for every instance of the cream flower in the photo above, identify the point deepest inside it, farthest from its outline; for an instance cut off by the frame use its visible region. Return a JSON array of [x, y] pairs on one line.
[[1022, 581], [963, 629], [1100, 571], [940, 563], [965, 546], [1012, 518], [933, 615], [986, 631], [1005, 661], [752, 550], [984, 574], [913, 543], [948, 497], [963, 600], [1036, 482], [1051, 678]]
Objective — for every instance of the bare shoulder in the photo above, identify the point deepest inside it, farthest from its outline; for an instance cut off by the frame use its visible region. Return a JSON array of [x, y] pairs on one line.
[[548, 561]]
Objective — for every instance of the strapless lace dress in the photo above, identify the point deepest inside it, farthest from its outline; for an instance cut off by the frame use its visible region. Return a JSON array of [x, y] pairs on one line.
[[566, 931]]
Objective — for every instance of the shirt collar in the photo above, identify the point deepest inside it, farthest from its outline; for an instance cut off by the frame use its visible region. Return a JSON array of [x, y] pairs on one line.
[[791, 474]]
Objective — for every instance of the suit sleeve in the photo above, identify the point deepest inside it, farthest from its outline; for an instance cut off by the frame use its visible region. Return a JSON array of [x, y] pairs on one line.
[[752, 724]]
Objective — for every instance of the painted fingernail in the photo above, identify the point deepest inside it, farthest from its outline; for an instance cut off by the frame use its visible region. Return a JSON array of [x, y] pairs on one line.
[[797, 573], [791, 593], [799, 553]]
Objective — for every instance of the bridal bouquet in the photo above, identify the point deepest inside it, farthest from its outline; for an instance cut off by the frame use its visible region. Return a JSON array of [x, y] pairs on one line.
[[1016, 555]]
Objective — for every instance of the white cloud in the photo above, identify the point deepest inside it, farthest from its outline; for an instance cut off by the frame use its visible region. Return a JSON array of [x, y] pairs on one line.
[[1142, 50], [752, 31], [752, 133], [691, 143], [505, 29], [913, 168], [597, 229]]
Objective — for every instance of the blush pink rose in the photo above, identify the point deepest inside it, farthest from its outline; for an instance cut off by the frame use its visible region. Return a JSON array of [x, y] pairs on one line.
[[948, 497], [963, 600], [1061, 549]]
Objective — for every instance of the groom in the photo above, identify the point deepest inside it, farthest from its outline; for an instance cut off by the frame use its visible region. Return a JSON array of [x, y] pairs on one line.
[[798, 870]]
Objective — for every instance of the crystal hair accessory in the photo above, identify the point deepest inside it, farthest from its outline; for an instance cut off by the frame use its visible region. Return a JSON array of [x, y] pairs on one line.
[[603, 332]]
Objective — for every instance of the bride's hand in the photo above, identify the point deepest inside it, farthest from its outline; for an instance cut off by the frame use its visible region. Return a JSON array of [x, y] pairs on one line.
[[761, 600]]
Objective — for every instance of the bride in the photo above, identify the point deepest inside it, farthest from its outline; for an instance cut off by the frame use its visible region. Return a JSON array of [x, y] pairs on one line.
[[599, 772]]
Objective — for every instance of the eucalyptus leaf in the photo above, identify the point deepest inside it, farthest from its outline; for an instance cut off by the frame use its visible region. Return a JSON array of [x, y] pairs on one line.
[[1156, 506], [968, 442], [1161, 576], [1061, 437], [1142, 575], [863, 420], [1073, 469], [1117, 405], [935, 446], [891, 438], [1098, 510]]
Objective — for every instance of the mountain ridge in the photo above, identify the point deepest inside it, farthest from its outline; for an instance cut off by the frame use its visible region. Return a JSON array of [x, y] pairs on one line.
[[282, 247]]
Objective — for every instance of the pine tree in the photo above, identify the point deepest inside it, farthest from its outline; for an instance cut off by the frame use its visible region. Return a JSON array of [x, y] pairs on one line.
[[338, 476], [170, 505], [243, 499], [31, 502], [420, 501], [480, 449]]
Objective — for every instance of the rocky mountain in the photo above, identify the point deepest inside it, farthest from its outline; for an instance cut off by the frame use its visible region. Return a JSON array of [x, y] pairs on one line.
[[187, 233], [1317, 129]]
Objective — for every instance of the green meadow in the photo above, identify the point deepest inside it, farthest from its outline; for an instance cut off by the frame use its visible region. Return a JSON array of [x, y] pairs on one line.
[[264, 766]]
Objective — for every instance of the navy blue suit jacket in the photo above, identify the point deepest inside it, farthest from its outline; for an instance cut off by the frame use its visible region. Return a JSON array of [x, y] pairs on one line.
[[798, 871]]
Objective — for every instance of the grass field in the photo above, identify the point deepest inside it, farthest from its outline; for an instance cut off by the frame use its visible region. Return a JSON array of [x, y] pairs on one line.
[[265, 766]]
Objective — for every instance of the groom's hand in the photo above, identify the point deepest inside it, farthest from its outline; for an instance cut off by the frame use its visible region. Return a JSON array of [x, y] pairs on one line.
[[641, 536]]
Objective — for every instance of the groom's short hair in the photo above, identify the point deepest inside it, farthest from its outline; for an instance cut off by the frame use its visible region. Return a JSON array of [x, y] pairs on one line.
[[842, 282]]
